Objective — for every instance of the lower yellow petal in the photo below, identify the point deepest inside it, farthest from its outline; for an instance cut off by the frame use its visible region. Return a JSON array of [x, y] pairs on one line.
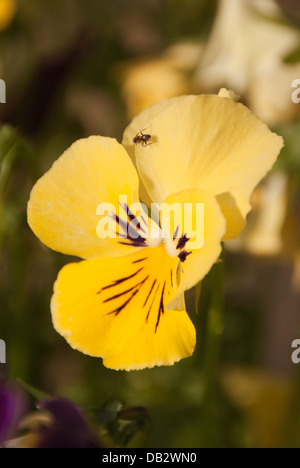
[[116, 309]]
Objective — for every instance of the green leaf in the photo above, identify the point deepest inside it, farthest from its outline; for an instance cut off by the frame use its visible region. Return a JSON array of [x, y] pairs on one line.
[[34, 392], [8, 138]]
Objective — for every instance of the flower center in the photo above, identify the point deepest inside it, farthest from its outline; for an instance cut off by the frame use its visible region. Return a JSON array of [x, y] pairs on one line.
[[176, 247]]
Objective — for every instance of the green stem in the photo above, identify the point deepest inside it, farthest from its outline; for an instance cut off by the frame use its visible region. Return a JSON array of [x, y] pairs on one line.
[[214, 330], [210, 397]]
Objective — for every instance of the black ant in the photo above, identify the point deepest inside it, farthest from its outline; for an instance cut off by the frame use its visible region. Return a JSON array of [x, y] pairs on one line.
[[142, 138]]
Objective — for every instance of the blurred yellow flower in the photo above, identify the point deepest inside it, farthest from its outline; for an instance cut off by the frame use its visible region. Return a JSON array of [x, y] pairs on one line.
[[244, 43], [153, 80], [296, 277], [269, 94], [272, 228], [7, 13], [266, 399], [246, 51], [150, 82], [125, 302]]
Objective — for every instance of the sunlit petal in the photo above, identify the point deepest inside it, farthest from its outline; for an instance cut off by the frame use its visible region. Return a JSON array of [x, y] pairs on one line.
[[62, 210], [116, 309], [207, 142]]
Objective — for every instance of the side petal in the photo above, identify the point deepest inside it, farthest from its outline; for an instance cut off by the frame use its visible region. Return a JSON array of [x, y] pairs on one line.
[[207, 142], [62, 210], [115, 309], [197, 257], [235, 221]]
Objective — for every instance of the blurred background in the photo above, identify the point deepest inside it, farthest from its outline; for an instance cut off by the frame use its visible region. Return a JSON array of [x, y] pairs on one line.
[[75, 68]]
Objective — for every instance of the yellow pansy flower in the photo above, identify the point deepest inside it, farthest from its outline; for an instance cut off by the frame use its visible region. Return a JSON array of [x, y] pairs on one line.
[[125, 301]]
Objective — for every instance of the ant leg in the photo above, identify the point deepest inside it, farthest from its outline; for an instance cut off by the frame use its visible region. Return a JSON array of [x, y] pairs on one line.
[[144, 129]]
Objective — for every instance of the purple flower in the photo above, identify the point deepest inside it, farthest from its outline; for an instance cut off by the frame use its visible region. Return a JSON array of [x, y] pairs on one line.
[[56, 424], [12, 406], [67, 427]]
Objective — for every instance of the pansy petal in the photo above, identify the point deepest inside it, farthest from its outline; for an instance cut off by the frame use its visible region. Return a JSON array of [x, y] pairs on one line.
[[235, 221], [198, 257], [62, 210], [138, 124], [116, 309], [142, 120], [207, 142]]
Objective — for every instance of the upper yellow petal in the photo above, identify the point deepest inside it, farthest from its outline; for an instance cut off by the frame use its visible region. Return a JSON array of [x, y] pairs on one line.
[[207, 142], [139, 123], [62, 210]]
